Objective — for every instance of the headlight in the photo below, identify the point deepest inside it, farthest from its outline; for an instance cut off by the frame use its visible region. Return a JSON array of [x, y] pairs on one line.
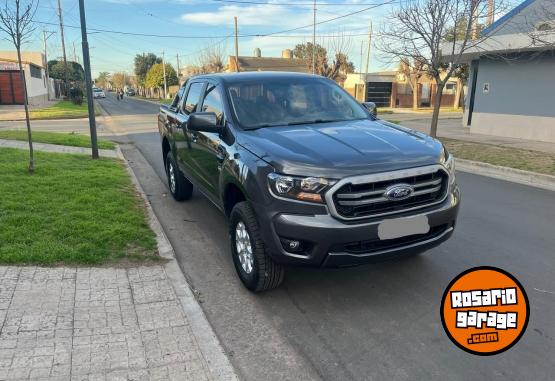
[[449, 164], [309, 189]]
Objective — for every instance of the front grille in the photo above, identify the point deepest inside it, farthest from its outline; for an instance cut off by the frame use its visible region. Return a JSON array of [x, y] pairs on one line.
[[353, 200], [376, 245]]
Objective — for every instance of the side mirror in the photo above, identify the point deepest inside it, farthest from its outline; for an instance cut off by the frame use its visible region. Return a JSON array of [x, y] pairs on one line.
[[203, 121], [371, 107], [164, 107]]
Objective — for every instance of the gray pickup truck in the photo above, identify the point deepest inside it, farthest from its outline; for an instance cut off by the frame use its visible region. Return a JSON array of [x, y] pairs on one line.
[[304, 173]]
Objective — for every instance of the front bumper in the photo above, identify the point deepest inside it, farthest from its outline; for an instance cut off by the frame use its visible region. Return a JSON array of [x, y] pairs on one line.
[[333, 243]]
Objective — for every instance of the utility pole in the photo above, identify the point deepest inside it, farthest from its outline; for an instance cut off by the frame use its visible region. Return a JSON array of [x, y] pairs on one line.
[[369, 46], [164, 70], [61, 17], [491, 7], [177, 57], [237, 69], [44, 38], [88, 80], [314, 40]]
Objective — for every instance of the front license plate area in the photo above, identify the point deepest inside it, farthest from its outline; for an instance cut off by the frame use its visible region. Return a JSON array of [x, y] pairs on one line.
[[402, 227]]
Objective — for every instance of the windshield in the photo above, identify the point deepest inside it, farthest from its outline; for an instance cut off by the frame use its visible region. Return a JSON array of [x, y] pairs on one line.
[[97, 90], [274, 102]]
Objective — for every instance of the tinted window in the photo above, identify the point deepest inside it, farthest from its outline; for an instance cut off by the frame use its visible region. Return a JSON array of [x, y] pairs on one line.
[[178, 96], [193, 96], [295, 101], [213, 102]]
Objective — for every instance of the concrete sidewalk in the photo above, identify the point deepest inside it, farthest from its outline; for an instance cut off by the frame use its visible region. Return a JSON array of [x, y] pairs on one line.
[[450, 126], [94, 323], [17, 112]]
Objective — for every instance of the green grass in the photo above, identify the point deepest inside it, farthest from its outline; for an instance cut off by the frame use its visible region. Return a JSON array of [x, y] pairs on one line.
[[63, 110], [58, 138], [73, 211], [527, 160], [394, 121]]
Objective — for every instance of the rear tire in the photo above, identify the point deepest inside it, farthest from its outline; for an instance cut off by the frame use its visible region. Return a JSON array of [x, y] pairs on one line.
[[255, 267], [180, 188]]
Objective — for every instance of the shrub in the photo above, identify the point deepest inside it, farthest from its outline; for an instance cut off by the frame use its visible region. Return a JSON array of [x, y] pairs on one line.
[[76, 95]]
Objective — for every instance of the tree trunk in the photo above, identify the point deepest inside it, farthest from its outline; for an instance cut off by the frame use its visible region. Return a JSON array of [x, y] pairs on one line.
[[462, 96], [415, 95], [437, 105], [458, 93], [27, 118]]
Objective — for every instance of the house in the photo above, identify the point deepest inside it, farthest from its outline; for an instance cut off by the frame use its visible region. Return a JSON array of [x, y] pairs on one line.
[[511, 86], [11, 83], [392, 89], [258, 63]]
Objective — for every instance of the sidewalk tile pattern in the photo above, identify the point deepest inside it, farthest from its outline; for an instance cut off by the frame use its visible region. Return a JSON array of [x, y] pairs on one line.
[[94, 324]]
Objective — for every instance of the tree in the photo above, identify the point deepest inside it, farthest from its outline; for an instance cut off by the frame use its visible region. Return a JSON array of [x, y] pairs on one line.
[[211, 60], [16, 21], [103, 79], [420, 29], [413, 71], [75, 70], [155, 76], [120, 80], [143, 63], [335, 66]]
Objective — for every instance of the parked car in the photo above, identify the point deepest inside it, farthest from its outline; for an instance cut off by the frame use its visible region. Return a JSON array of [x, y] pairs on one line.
[[98, 93], [130, 92], [305, 174]]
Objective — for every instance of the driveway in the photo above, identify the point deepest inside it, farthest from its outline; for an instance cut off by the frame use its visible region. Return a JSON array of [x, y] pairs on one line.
[[376, 322]]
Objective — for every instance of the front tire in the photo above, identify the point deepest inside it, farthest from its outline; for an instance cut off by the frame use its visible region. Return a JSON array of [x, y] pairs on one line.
[[180, 188], [255, 267]]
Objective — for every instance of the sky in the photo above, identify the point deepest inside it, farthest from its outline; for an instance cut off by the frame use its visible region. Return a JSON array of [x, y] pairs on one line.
[[185, 27]]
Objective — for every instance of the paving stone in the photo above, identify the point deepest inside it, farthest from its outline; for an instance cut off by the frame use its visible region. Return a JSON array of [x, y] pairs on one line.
[[94, 324]]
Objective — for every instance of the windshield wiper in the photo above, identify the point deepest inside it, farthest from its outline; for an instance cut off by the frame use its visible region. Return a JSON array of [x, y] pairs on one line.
[[315, 121]]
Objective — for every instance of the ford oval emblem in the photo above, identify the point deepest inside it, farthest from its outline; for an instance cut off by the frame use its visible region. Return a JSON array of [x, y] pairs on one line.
[[398, 192]]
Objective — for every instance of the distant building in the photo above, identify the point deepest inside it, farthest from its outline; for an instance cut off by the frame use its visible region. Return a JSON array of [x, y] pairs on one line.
[[11, 83], [511, 86], [392, 89], [258, 63]]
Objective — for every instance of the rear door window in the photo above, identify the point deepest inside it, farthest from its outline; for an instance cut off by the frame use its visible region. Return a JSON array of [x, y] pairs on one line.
[[193, 97]]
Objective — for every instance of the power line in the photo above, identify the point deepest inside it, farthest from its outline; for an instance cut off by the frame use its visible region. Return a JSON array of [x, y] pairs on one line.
[[293, 4], [271, 34]]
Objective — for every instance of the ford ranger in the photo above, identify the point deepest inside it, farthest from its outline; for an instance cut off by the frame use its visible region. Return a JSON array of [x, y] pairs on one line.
[[304, 173]]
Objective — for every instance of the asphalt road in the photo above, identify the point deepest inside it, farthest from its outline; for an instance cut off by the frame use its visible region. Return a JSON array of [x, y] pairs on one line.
[[374, 322]]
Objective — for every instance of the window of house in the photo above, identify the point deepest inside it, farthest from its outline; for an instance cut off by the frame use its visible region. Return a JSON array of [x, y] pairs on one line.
[[36, 72], [213, 103], [450, 88], [193, 97]]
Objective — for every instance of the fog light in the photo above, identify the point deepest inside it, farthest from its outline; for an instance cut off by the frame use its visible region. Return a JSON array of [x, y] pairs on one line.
[[292, 245]]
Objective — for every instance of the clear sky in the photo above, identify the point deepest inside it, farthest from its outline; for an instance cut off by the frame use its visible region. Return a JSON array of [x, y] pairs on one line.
[[193, 24]]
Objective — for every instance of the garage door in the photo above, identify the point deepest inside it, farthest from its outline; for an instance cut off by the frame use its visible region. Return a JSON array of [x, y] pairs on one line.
[[11, 88], [379, 93]]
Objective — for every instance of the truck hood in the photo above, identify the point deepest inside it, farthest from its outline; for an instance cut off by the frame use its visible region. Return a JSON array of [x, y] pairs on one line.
[[341, 149]]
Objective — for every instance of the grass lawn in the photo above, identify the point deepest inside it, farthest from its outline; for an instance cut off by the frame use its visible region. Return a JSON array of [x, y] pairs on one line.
[[63, 110], [157, 100], [505, 156], [72, 210], [63, 139]]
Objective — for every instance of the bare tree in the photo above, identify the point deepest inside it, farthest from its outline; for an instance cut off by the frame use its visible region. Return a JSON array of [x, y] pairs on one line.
[[413, 71], [541, 25], [419, 29], [212, 59], [16, 21]]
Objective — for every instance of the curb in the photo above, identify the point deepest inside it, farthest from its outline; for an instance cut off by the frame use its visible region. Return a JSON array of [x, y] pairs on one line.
[[519, 176], [216, 360]]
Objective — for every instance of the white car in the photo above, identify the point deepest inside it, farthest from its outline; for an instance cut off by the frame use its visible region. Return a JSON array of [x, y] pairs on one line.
[[98, 93]]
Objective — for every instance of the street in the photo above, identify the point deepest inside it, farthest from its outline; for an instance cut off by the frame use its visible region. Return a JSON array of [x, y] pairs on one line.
[[379, 321]]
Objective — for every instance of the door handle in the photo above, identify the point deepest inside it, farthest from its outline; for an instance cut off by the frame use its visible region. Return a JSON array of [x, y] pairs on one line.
[[220, 157]]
